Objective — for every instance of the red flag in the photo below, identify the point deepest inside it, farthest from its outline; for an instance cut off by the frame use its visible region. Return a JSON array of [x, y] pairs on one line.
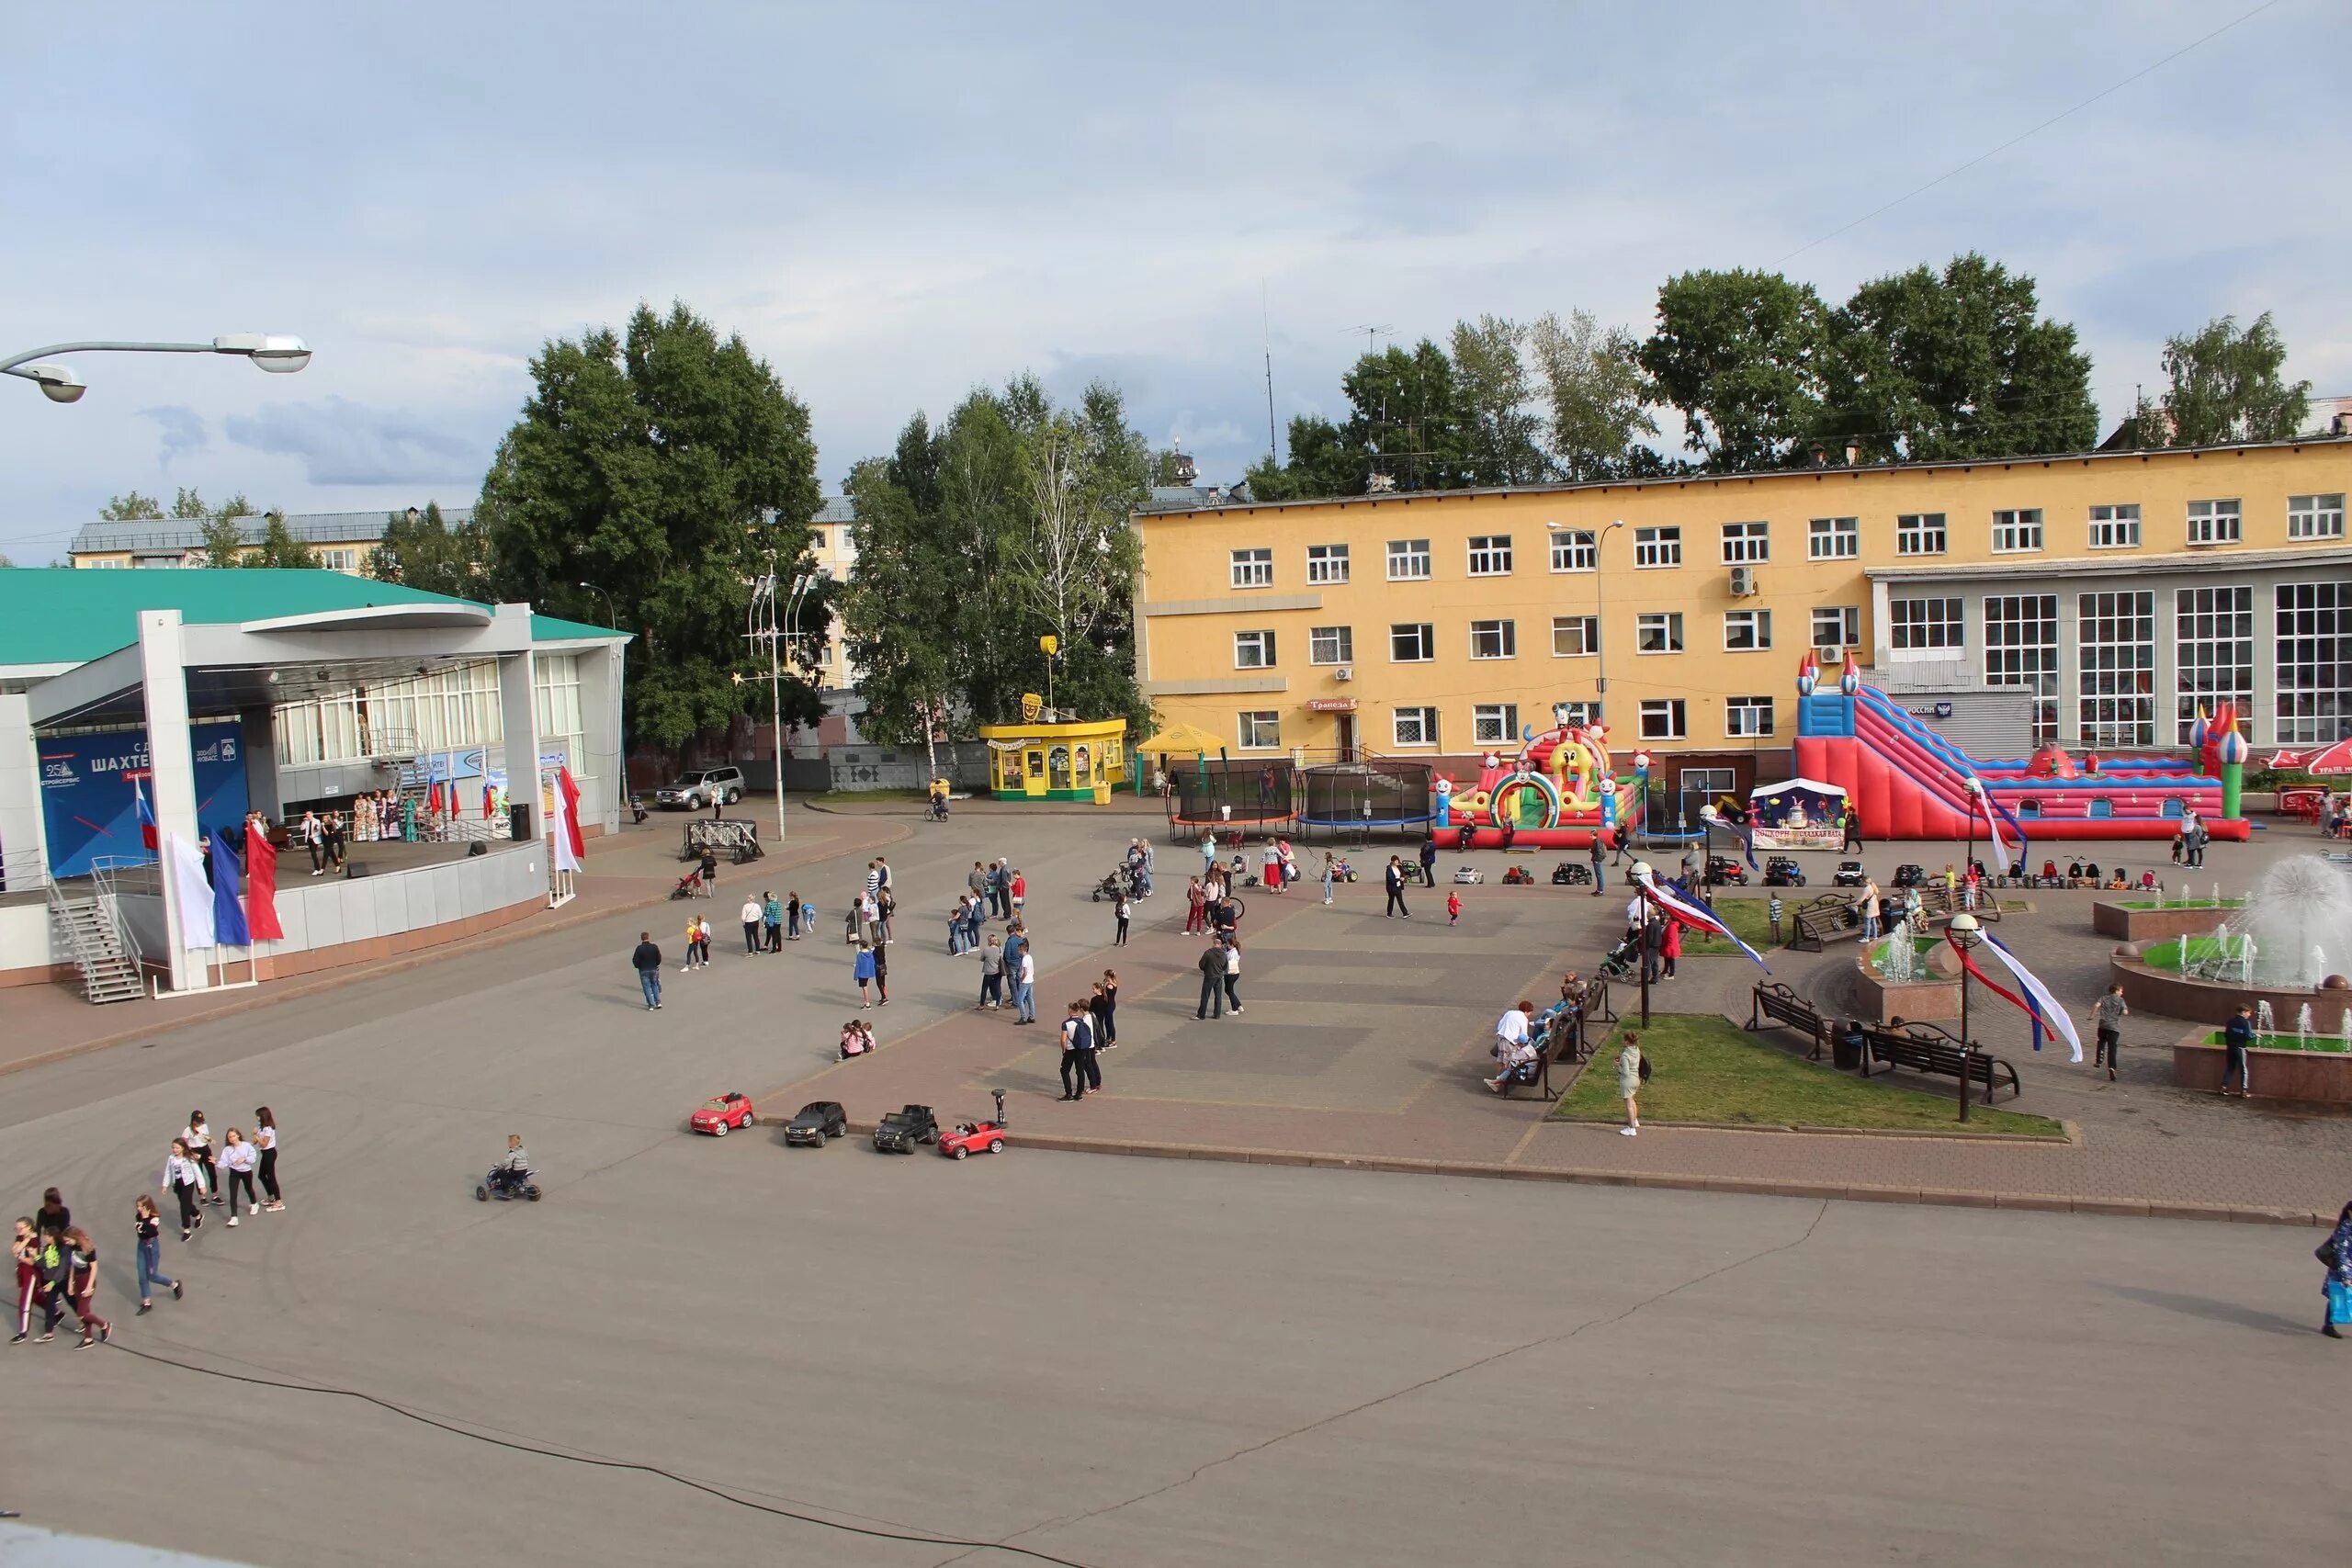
[[573, 839], [260, 886], [485, 797], [433, 796]]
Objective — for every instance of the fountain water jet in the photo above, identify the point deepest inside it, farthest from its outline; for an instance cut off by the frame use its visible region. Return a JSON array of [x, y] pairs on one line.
[[2298, 912]]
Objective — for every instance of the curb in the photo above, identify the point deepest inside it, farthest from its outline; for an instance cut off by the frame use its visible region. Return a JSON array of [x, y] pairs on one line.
[[1923, 1196], [2072, 1134]]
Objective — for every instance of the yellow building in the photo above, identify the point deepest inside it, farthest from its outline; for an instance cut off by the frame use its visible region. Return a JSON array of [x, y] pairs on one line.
[[2093, 599], [1044, 760], [343, 541]]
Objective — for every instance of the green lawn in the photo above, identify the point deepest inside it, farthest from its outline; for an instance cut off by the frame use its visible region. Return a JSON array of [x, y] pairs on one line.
[[2178, 904], [2329, 1044], [1745, 912], [2168, 955], [1715, 1073]]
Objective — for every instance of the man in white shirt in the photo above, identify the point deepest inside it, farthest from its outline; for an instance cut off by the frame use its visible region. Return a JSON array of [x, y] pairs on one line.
[[753, 913], [1513, 1048], [1024, 988]]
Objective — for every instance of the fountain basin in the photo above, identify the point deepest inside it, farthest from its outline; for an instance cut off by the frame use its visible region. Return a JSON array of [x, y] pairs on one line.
[[1933, 993], [2128, 920], [2310, 1078], [2214, 1001]]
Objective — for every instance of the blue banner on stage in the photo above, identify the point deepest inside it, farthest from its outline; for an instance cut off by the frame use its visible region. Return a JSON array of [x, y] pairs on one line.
[[90, 807]]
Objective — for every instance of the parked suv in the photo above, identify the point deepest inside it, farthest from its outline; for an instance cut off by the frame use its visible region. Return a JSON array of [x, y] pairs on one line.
[[697, 787]]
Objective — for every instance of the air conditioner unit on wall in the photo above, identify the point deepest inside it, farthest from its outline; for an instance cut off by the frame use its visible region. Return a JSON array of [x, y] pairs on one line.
[[1743, 582], [1343, 674]]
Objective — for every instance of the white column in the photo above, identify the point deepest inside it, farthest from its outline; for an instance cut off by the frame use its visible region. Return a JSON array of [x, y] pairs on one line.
[[518, 712], [24, 836], [600, 734], [171, 762]]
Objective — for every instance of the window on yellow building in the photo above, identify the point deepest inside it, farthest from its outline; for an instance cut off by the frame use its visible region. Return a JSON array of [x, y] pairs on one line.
[[1745, 544], [2313, 647], [1660, 632], [2016, 532], [1327, 563], [1575, 551], [1746, 631], [1838, 626], [1332, 645], [1574, 636], [1921, 534], [1494, 640], [1658, 547], [1412, 642], [1494, 724], [2213, 523], [2021, 653], [1663, 719], [1415, 727], [2315, 516], [1408, 560], [1253, 569], [1748, 717], [1916, 626], [2115, 528], [1833, 538], [1253, 650], [2115, 641], [1490, 555], [1261, 730]]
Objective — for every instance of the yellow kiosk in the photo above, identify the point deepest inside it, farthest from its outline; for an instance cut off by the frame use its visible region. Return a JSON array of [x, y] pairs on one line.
[[1036, 760]]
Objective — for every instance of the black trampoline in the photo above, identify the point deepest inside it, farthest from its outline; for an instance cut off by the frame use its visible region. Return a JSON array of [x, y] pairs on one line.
[[1228, 793], [1356, 800]]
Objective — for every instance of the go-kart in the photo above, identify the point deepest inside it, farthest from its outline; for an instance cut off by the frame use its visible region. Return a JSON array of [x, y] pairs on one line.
[[721, 1116], [507, 1185], [1779, 871], [1517, 876], [1723, 868], [815, 1122], [1849, 873], [901, 1131]]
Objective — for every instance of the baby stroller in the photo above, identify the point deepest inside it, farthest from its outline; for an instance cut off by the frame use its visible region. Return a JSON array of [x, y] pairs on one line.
[[691, 886], [1622, 959], [1120, 881]]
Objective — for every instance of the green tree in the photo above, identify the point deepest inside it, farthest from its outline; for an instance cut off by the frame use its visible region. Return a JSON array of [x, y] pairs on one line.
[[5, 564], [2227, 386], [279, 547], [422, 550], [225, 540], [131, 508], [644, 465], [1594, 393], [1501, 434], [1406, 420], [1321, 463], [1927, 367], [1740, 355], [187, 506]]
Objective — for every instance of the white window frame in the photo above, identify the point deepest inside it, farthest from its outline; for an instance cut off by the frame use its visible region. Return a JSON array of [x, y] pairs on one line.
[[1490, 554], [1261, 642], [1657, 549], [1922, 533], [1505, 639], [1927, 633], [2018, 531], [1253, 568], [1326, 564], [1842, 538], [1747, 718], [2115, 528], [1747, 544], [2221, 522], [1672, 716], [1587, 630], [2315, 516], [1414, 556], [1425, 717], [1576, 549], [1667, 624], [1494, 724], [1428, 636], [1849, 629], [1339, 641], [1759, 630], [1249, 732]]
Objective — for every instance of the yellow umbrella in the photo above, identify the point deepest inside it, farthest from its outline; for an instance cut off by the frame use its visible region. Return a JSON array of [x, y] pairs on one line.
[[1180, 740]]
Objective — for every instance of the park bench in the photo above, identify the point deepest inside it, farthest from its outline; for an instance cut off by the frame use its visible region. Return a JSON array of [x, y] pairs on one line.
[[1923, 1048], [1775, 1003], [1826, 918]]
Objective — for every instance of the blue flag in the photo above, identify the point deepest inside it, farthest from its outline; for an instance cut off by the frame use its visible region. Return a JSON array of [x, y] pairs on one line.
[[227, 890]]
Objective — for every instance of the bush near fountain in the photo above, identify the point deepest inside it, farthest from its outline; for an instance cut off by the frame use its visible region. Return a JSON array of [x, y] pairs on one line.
[[2313, 1069], [2284, 948], [1907, 978]]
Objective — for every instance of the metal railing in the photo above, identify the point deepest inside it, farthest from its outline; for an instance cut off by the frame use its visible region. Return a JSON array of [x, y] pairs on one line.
[[23, 871], [109, 878]]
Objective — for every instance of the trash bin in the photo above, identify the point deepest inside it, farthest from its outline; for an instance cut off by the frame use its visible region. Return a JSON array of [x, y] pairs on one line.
[[1845, 1049]]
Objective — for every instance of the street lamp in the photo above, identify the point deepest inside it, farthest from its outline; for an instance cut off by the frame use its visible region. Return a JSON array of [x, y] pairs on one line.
[[1600, 632], [1642, 875], [1965, 933], [620, 685], [278, 354]]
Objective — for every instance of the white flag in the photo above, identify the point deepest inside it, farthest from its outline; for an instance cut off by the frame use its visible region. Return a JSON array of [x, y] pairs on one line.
[[194, 893]]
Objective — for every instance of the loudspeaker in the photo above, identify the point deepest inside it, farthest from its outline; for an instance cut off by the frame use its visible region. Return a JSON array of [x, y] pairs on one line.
[[354, 868], [476, 848], [518, 818]]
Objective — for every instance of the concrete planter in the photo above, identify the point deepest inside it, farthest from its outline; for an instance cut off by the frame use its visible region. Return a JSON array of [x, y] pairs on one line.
[[1886, 1001], [2158, 925], [2312, 1077], [2211, 1001]]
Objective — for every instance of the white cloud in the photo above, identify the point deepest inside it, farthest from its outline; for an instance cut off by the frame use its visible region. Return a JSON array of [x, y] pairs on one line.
[[342, 443]]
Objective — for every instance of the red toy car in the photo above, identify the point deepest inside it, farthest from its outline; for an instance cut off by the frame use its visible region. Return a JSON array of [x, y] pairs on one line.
[[721, 1116], [972, 1137]]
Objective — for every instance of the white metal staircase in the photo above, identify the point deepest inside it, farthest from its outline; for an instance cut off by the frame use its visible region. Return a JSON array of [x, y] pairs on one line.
[[89, 924]]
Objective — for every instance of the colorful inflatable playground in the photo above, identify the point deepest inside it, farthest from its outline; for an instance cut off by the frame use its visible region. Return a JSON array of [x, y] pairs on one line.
[[1906, 781]]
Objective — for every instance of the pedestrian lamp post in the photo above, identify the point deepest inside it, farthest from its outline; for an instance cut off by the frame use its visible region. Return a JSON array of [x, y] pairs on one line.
[[1049, 645], [278, 354], [620, 689], [1600, 632], [761, 625], [1642, 933], [1965, 933]]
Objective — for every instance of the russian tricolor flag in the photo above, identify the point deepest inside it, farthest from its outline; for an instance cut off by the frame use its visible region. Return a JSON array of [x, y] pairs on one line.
[[146, 817]]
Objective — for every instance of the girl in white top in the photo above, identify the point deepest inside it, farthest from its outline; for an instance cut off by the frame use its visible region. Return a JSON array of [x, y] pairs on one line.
[[238, 1158], [184, 1179], [265, 1140], [198, 1139]]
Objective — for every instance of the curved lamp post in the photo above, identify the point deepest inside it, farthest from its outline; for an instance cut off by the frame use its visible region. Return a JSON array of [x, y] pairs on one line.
[[1965, 933], [1642, 876], [278, 354]]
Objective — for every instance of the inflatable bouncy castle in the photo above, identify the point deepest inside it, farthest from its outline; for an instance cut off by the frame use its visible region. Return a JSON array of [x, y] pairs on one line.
[[1557, 791], [1907, 782]]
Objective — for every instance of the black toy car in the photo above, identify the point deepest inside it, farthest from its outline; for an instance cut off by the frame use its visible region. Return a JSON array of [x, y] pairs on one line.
[[1723, 868], [817, 1120], [1571, 874], [901, 1131], [1779, 871], [1850, 875], [1910, 876]]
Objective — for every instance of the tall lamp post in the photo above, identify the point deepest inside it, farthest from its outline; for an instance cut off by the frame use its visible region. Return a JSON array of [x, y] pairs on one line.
[[279, 354], [1965, 933], [1600, 632], [767, 621], [620, 692], [1642, 875]]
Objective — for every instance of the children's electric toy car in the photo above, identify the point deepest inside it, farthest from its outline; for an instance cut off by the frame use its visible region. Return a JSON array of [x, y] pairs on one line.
[[1723, 868], [1849, 873], [901, 1131], [815, 1122], [1517, 876], [1779, 871], [1910, 876], [972, 1137], [1468, 873], [1571, 874], [721, 1116]]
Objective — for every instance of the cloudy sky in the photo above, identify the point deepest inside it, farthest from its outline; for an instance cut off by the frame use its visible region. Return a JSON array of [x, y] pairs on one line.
[[893, 203]]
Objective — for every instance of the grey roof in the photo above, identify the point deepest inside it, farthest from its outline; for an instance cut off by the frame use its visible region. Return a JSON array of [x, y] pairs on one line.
[[171, 535], [832, 509], [1194, 497]]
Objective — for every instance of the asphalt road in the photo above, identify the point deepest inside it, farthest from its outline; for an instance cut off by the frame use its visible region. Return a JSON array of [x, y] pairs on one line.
[[1114, 1361]]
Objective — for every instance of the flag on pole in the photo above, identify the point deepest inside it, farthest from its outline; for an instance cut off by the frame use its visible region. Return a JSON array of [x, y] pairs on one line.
[[227, 890], [2048, 1012], [568, 843], [488, 798], [261, 886], [146, 814], [1696, 913], [185, 865]]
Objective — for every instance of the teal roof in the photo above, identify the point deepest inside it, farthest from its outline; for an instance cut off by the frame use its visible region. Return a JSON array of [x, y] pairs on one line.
[[69, 616]]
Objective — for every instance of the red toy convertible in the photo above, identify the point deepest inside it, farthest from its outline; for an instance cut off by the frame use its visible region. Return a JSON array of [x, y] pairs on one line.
[[975, 1137], [721, 1116]]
